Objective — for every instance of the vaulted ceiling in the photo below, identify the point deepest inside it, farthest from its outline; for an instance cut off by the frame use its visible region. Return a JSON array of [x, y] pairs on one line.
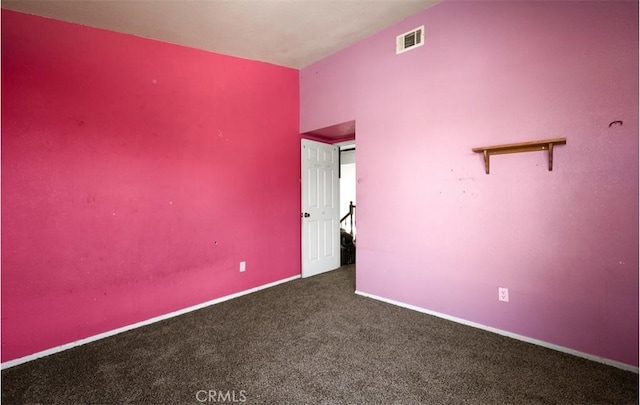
[[291, 33]]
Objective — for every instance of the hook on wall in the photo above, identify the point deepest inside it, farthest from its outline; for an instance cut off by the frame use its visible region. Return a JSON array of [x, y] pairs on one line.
[[612, 123]]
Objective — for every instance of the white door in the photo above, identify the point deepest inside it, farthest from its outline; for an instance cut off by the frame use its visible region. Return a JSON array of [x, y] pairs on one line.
[[320, 208]]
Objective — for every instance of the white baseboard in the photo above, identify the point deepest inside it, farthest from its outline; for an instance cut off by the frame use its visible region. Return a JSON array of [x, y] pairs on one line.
[[523, 338], [21, 360]]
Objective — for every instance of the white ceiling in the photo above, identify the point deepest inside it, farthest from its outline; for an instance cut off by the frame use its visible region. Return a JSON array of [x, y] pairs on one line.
[[292, 33]]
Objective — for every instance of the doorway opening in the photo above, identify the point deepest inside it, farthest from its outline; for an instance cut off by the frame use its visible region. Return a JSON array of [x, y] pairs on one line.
[[318, 242], [348, 212]]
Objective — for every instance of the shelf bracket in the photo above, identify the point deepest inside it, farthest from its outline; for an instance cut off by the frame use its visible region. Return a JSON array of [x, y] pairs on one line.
[[486, 161], [533, 146]]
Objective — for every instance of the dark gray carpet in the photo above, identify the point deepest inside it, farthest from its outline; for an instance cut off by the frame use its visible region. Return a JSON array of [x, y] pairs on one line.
[[313, 341]]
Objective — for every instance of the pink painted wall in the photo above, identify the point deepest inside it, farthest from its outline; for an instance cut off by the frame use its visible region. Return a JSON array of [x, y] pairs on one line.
[[136, 175], [434, 230]]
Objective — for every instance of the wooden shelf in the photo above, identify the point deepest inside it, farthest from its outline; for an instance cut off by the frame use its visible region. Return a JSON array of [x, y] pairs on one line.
[[533, 146]]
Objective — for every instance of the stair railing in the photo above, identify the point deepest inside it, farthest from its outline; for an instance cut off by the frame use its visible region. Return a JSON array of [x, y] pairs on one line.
[[350, 216]]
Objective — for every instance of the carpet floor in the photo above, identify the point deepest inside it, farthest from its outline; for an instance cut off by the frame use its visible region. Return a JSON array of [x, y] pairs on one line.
[[313, 341]]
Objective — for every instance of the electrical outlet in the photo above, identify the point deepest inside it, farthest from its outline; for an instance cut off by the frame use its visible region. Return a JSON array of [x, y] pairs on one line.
[[243, 266], [503, 294]]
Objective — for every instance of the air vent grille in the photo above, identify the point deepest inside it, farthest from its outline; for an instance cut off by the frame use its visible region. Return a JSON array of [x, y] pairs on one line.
[[410, 40]]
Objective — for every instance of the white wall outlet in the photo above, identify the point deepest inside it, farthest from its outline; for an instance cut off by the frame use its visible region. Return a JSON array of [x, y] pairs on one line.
[[243, 266], [503, 294]]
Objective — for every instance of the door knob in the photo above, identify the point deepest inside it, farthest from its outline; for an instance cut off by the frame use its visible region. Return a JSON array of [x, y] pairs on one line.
[[306, 215]]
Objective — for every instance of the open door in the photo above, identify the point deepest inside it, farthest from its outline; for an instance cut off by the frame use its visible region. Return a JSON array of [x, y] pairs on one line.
[[320, 208]]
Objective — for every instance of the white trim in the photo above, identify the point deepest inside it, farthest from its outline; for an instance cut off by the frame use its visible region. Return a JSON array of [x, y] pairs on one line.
[[523, 338], [21, 360], [345, 143]]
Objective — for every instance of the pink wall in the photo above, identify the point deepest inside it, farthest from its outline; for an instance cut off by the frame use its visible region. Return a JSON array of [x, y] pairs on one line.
[[434, 230], [136, 175]]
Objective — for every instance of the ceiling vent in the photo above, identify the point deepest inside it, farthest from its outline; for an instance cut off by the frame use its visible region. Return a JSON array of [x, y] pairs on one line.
[[410, 40]]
